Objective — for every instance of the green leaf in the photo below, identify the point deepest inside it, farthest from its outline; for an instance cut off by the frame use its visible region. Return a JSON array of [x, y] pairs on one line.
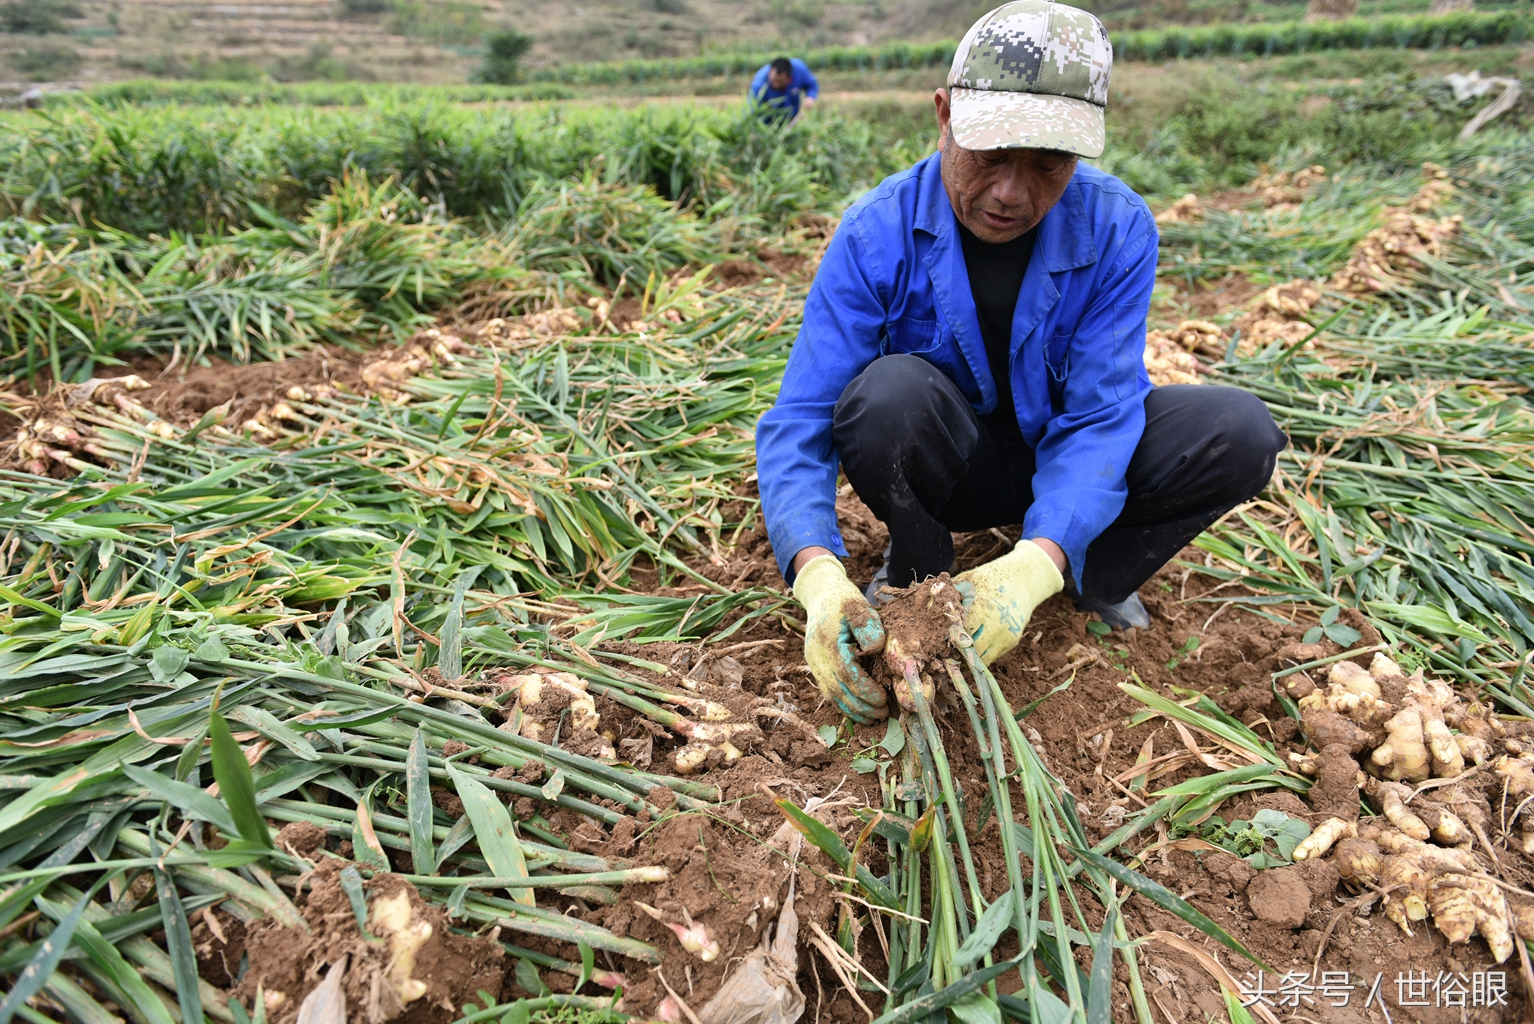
[[976, 1008], [1286, 832], [894, 738], [494, 829], [1209, 783], [356, 895], [1313, 635], [1097, 628], [237, 854], [178, 943], [456, 839], [1048, 1008], [105, 956], [1238, 1013], [588, 963], [1167, 900], [450, 656], [1100, 989], [864, 765], [987, 931], [1237, 734], [235, 783], [186, 800], [827, 734], [455, 901], [920, 1008], [270, 726], [1342, 634], [1330, 615], [167, 663], [528, 978], [49, 953], [828, 842], [418, 806]]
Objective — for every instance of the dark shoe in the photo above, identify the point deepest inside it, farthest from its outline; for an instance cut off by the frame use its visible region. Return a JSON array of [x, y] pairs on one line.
[[882, 578], [1128, 613]]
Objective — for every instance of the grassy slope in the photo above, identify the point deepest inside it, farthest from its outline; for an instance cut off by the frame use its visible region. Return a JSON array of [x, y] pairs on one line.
[[198, 39]]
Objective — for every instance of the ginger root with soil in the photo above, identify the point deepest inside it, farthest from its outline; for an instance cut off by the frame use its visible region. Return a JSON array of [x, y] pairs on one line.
[[919, 624], [1392, 737]]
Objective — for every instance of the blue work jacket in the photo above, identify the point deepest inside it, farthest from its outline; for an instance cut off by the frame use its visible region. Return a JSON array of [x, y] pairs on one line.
[[893, 280], [784, 102]]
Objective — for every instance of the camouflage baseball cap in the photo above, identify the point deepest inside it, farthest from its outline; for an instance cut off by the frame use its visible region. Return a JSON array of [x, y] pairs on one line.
[[1032, 74]]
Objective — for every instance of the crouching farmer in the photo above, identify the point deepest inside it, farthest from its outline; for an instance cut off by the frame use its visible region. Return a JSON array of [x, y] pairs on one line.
[[972, 357]]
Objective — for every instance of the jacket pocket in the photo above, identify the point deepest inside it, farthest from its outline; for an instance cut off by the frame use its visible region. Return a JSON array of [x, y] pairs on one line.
[[1057, 363], [908, 336], [1057, 358]]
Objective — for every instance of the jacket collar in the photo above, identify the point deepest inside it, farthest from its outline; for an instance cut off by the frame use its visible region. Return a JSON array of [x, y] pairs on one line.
[[1065, 234], [1064, 242]]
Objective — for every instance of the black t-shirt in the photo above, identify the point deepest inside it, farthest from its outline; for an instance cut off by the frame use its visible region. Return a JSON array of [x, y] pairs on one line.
[[995, 278]]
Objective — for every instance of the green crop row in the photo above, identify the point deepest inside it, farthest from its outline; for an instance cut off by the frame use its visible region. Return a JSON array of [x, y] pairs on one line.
[[151, 92], [1464, 28], [162, 168]]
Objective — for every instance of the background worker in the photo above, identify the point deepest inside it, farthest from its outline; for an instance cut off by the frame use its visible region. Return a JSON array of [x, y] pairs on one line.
[[972, 356], [786, 88]]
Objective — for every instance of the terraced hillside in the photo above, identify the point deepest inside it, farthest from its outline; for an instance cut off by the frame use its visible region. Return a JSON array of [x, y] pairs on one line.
[[438, 41]]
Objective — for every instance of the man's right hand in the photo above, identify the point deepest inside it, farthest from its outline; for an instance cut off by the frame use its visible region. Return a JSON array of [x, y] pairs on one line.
[[840, 626]]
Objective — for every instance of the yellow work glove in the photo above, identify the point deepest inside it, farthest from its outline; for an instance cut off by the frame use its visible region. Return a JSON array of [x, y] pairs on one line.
[[839, 626], [1000, 595]]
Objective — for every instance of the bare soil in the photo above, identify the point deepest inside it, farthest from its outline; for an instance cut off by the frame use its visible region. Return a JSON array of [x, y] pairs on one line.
[[730, 867], [1295, 919]]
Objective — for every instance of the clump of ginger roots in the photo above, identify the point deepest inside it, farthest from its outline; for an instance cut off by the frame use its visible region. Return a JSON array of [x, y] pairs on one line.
[[554, 707], [1405, 732], [1404, 725]]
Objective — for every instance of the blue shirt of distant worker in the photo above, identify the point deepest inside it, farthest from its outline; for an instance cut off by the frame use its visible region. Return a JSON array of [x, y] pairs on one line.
[[786, 87]]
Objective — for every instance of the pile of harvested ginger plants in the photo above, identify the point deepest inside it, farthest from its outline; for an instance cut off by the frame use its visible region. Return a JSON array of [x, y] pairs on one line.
[[1450, 780]]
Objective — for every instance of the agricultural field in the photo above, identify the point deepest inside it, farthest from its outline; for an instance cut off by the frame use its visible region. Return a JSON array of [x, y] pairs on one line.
[[85, 43], [386, 616]]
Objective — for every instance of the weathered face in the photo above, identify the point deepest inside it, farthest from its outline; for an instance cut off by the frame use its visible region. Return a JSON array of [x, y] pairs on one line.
[[778, 80], [1000, 194]]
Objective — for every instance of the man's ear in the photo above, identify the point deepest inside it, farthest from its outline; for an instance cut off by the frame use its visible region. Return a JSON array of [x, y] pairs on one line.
[[944, 111]]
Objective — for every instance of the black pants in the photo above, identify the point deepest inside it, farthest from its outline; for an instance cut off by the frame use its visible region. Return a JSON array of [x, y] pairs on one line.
[[925, 464]]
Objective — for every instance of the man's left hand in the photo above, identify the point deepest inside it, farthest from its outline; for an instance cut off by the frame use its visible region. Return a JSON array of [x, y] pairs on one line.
[[1000, 596]]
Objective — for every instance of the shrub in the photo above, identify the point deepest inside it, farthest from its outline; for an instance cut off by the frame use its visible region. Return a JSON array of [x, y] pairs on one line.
[[199, 67], [37, 17], [352, 8], [503, 57], [318, 65], [46, 62], [445, 24]]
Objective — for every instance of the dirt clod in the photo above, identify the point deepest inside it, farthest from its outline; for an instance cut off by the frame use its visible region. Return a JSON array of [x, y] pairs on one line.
[[301, 837], [1279, 897], [1335, 793]]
